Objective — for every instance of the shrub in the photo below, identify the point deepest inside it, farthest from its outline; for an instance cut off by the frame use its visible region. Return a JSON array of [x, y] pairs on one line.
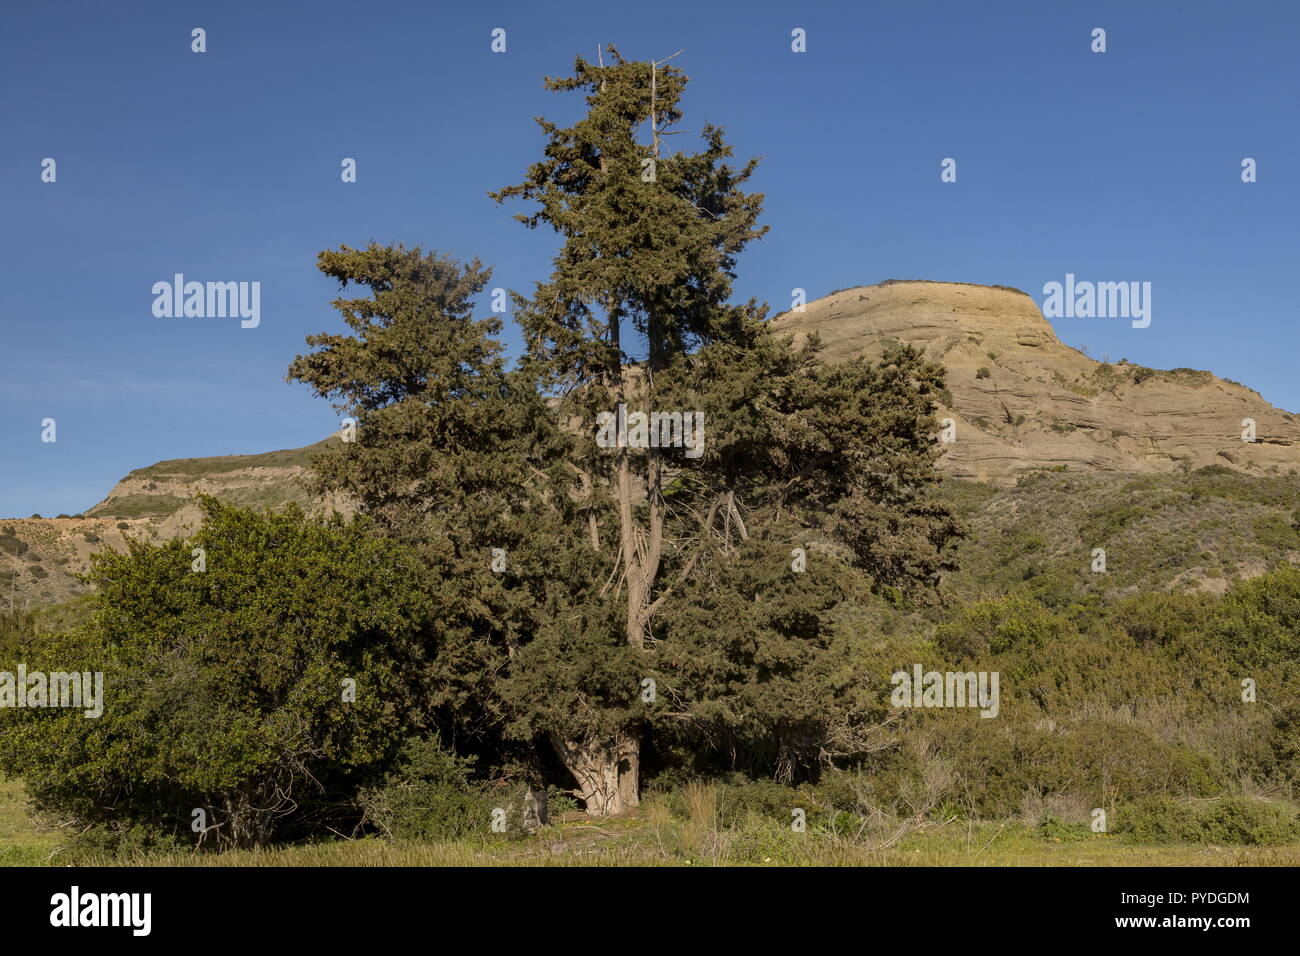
[[1275, 532], [101, 843], [1057, 831], [761, 798], [1233, 821], [239, 676], [983, 372], [429, 795]]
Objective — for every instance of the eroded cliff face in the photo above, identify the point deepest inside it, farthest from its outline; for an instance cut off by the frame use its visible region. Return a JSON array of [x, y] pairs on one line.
[[41, 558], [1021, 400]]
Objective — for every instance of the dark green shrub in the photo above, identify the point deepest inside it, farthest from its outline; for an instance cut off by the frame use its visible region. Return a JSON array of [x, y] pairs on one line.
[[101, 844], [428, 796], [260, 691], [1057, 831], [762, 798]]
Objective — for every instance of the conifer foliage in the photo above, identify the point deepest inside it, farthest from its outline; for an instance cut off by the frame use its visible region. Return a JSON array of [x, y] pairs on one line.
[[618, 560]]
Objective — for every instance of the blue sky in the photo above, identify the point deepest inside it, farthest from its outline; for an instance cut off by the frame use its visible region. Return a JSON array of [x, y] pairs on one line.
[[225, 166]]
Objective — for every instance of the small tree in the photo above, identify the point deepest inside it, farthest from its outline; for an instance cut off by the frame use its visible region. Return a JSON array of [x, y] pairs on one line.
[[258, 691]]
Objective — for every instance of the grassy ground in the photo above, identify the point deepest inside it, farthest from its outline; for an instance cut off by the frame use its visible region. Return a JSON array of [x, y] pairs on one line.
[[21, 843], [652, 837]]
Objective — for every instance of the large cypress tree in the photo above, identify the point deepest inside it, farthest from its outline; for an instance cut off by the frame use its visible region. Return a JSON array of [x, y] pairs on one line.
[[629, 563], [637, 312]]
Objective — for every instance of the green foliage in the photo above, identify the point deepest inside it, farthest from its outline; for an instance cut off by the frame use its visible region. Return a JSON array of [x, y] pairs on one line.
[[1059, 832], [225, 688], [1274, 531], [118, 843], [140, 506], [614, 557], [428, 795], [1231, 821], [765, 799]]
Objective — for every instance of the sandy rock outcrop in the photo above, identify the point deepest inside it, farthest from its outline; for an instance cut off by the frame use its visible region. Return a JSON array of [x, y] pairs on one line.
[[1022, 400]]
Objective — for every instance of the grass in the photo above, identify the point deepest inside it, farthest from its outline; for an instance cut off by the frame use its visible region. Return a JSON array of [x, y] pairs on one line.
[[941, 848], [652, 836], [21, 843]]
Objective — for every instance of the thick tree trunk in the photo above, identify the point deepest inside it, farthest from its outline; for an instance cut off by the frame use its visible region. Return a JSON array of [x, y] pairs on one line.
[[608, 771]]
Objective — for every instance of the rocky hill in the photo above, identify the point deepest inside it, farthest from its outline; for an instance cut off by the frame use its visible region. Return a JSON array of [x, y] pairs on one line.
[[41, 558], [1023, 401]]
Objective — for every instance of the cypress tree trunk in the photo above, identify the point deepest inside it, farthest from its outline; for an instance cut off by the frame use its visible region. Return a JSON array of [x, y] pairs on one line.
[[608, 771]]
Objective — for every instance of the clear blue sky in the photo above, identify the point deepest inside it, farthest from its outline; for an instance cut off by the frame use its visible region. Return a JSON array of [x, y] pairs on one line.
[[225, 166]]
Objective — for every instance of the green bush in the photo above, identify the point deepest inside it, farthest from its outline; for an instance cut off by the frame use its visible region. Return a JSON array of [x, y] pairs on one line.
[[1274, 531], [1058, 831], [102, 843], [428, 796], [1230, 821], [260, 691], [766, 799]]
